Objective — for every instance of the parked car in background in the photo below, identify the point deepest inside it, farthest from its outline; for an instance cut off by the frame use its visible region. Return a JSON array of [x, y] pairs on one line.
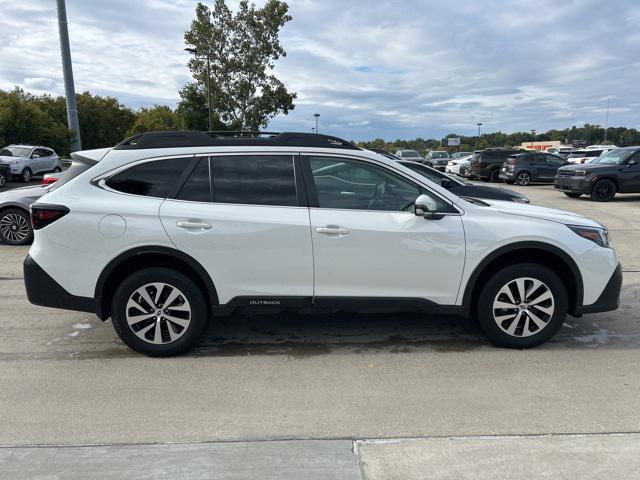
[[461, 154], [28, 160], [456, 166], [437, 159], [412, 155], [562, 151], [465, 189], [5, 174], [300, 220], [586, 155], [486, 164], [15, 225], [617, 171], [532, 166]]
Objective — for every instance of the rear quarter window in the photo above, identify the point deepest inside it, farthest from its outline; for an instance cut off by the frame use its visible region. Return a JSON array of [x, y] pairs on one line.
[[149, 179]]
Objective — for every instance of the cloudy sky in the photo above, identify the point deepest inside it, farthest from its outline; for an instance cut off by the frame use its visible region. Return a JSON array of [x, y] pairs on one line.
[[385, 68]]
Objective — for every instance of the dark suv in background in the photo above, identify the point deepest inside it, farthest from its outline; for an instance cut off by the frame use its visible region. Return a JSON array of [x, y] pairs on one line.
[[486, 164], [617, 171], [524, 168]]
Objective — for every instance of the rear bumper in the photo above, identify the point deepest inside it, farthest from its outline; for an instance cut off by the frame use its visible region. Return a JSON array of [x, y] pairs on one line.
[[572, 184], [45, 291], [609, 299]]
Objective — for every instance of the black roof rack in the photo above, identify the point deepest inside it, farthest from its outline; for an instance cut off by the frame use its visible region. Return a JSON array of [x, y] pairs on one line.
[[192, 138]]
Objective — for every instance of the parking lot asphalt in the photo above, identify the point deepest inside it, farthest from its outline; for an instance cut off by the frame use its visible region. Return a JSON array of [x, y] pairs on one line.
[[66, 379]]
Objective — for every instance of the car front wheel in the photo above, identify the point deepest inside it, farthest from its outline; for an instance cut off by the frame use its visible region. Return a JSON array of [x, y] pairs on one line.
[[523, 179], [15, 227], [522, 306], [603, 191], [3, 179], [159, 312]]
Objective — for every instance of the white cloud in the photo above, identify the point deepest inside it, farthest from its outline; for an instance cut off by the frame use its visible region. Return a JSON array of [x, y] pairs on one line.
[[388, 68]]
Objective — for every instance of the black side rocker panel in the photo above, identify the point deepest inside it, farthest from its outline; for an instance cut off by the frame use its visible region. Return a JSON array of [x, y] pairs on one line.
[[45, 291]]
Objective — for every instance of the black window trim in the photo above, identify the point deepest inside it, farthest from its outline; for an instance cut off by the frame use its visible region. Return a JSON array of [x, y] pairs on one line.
[[313, 194]]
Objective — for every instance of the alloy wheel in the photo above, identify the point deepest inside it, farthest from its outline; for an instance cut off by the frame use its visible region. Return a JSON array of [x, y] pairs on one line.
[[523, 178], [3, 180], [523, 307], [158, 313], [14, 228], [26, 175], [604, 190]]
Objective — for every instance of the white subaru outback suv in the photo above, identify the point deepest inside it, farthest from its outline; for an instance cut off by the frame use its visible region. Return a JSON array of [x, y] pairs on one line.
[[169, 229]]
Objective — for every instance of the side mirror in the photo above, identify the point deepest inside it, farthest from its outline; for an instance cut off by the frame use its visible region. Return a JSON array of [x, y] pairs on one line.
[[631, 162], [445, 183], [427, 208], [35, 155]]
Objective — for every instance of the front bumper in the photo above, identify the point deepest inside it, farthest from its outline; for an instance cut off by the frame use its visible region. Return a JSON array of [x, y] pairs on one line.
[[572, 184], [45, 291], [609, 299]]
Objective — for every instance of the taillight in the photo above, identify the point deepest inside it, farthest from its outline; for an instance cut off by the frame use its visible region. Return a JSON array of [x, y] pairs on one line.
[[49, 180], [45, 214]]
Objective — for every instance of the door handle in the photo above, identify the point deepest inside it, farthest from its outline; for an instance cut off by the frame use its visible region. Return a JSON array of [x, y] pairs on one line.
[[333, 230], [191, 225]]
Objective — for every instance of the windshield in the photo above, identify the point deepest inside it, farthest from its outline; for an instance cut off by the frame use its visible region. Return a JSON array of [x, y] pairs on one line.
[[614, 157], [439, 155], [15, 151], [431, 174], [410, 154]]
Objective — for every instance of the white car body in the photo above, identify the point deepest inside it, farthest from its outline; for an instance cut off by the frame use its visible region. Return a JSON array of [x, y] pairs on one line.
[[587, 155], [36, 160], [453, 166], [260, 253]]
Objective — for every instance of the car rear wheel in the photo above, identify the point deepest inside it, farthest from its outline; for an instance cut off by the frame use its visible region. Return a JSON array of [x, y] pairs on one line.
[[15, 227], [495, 176], [159, 312], [26, 175], [3, 179], [572, 194], [603, 191], [522, 306], [523, 179], [57, 170]]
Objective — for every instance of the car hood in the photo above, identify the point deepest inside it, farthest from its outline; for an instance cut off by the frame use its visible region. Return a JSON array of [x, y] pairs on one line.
[[589, 167], [543, 213], [17, 195], [8, 158]]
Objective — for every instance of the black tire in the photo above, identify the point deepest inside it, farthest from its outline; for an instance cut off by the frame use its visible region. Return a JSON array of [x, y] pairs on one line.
[[495, 176], [603, 191], [15, 227], [57, 170], [3, 179], [26, 175], [523, 178], [552, 323], [188, 289], [572, 194]]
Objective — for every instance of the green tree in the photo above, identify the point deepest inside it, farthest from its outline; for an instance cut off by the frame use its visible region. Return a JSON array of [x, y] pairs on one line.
[[23, 120], [193, 109], [240, 50], [156, 118]]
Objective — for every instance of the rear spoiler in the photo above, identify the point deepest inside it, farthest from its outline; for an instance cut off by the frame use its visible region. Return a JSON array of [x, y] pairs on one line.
[[90, 157]]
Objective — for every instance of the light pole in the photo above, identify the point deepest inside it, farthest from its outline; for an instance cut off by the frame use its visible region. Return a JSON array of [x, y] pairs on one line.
[[195, 53], [533, 137], [479, 125], [67, 73], [317, 115]]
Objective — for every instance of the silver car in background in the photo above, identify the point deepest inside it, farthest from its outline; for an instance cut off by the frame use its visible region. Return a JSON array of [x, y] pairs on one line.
[[28, 160]]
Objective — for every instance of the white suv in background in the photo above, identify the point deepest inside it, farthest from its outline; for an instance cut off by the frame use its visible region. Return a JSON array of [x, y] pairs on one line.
[[27, 160], [168, 229]]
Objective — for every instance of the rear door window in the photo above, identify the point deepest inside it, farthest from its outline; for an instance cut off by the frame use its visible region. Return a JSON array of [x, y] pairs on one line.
[[197, 188], [254, 180], [149, 179]]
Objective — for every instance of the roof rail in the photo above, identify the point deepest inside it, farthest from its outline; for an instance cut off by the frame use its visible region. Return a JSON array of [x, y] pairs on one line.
[[192, 138]]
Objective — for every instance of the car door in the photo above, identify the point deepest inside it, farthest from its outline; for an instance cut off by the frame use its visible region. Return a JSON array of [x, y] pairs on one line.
[[39, 163], [244, 218], [630, 173], [553, 164], [367, 241]]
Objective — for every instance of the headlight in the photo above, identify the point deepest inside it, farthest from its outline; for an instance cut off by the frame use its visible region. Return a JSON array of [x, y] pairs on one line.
[[581, 173], [520, 200], [599, 236]]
